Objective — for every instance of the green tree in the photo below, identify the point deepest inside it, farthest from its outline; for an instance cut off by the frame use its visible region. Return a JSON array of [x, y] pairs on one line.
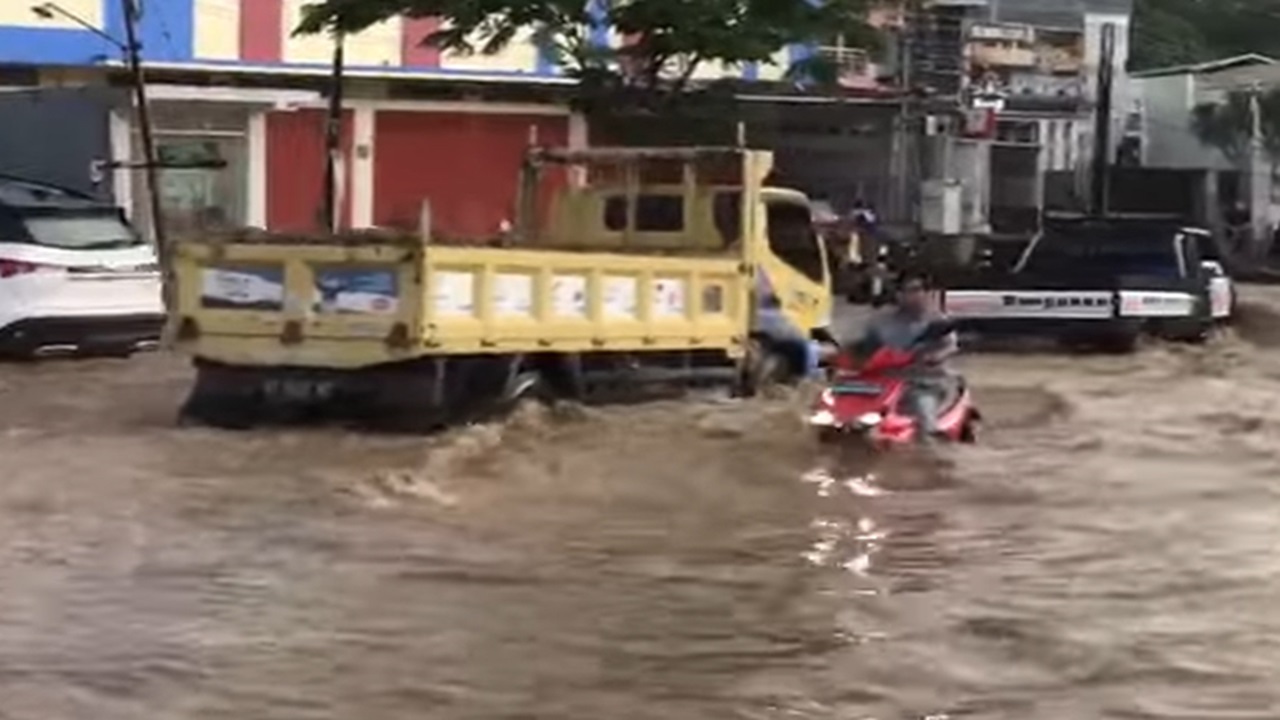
[[640, 92], [1174, 32], [669, 39]]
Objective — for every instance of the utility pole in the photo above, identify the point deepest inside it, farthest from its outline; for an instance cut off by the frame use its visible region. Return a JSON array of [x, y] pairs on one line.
[[151, 164], [1101, 168], [333, 137], [1259, 180], [903, 126]]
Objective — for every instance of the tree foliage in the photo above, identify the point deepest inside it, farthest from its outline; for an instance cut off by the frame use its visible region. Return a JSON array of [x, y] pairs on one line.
[[1228, 125], [668, 40], [1174, 32]]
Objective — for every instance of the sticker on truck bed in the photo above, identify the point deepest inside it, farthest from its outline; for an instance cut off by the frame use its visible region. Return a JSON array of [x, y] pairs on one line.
[[668, 298], [453, 293], [569, 296], [621, 296], [346, 291], [242, 288], [1029, 304], [513, 294]]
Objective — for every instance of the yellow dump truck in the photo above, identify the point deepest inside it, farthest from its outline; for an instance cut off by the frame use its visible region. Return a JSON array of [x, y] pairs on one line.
[[626, 270]]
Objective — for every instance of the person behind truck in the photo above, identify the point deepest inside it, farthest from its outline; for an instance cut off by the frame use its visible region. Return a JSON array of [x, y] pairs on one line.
[[866, 225], [930, 379]]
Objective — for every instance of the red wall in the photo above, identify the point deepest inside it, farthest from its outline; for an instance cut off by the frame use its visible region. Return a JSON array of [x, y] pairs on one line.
[[465, 164], [261, 31], [295, 170]]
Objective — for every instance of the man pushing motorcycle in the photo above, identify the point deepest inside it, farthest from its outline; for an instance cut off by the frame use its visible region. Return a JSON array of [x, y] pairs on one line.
[[902, 327]]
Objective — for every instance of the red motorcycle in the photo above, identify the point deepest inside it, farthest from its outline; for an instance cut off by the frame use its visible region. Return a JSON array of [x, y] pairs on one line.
[[865, 401]]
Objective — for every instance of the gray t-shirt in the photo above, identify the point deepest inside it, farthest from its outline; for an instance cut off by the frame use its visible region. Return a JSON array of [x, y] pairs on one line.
[[899, 330]]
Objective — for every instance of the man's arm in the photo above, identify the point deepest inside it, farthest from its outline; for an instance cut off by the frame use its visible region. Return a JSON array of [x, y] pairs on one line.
[[947, 347]]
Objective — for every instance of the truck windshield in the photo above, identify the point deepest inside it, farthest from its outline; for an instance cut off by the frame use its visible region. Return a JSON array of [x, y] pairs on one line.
[[792, 238]]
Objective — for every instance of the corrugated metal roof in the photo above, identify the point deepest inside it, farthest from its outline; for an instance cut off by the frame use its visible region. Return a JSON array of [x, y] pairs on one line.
[[1210, 67]]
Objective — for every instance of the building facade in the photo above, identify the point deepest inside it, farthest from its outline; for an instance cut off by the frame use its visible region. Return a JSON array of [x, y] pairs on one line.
[[231, 84], [1166, 99]]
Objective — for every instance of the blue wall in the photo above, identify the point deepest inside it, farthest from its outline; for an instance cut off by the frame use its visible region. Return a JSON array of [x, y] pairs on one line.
[[166, 32]]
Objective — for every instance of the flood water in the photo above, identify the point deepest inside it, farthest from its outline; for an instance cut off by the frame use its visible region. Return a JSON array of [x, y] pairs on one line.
[[1108, 551]]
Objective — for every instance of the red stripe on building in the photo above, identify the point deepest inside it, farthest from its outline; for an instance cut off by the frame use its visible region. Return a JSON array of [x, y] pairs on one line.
[[261, 31], [295, 170], [415, 53]]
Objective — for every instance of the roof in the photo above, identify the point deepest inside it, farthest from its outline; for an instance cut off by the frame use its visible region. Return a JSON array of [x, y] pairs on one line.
[[1211, 66]]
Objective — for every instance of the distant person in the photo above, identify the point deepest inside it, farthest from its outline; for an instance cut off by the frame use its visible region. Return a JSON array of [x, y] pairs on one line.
[[866, 224], [1239, 228], [864, 216]]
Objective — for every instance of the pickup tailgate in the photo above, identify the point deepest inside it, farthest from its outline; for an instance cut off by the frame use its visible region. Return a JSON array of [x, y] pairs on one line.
[[1029, 304], [1128, 297]]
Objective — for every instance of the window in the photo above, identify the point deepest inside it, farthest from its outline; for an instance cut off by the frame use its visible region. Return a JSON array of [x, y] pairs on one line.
[[75, 231], [1114, 251], [201, 133], [792, 238], [654, 213], [727, 208], [207, 198]]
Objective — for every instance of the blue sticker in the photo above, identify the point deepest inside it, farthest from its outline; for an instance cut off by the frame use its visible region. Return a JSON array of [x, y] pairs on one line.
[[242, 288], [356, 292]]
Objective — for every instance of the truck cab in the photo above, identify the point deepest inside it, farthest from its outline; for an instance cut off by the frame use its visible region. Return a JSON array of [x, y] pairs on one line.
[[659, 205]]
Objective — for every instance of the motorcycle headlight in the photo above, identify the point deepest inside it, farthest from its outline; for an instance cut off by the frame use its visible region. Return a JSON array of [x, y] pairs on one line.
[[822, 418], [871, 419]]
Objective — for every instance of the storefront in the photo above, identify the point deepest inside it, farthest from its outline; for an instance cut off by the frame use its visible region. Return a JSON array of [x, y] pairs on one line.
[[204, 148], [236, 158], [212, 147]]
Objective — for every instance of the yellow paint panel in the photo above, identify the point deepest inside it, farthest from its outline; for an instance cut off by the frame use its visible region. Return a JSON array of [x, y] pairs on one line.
[[378, 45], [521, 55], [217, 29], [302, 48], [17, 13], [381, 44]]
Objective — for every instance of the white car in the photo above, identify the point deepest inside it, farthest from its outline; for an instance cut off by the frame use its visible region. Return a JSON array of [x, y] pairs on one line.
[[74, 277]]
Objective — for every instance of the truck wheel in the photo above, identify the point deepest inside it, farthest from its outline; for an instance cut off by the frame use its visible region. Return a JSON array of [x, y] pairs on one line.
[[221, 398], [762, 367]]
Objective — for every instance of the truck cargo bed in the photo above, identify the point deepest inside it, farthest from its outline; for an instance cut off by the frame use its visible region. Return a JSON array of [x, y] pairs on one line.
[[258, 301]]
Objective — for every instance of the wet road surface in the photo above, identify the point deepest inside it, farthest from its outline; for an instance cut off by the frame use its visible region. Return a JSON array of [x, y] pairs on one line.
[[1108, 551]]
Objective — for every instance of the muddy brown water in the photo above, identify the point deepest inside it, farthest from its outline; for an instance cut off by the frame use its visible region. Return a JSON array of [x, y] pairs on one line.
[[1108, 551]]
